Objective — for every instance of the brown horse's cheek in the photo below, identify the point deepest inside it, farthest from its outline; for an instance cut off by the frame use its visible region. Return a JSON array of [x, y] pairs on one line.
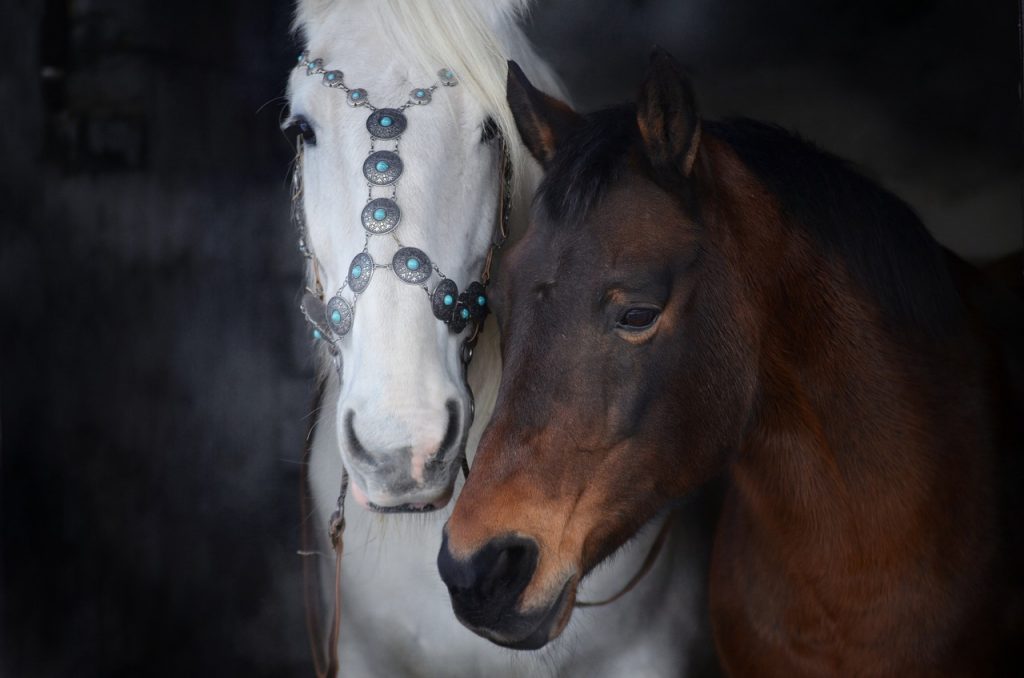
[[620, 498]]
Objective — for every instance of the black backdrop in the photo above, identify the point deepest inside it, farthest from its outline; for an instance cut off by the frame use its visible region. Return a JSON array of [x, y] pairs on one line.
[[154, 375]]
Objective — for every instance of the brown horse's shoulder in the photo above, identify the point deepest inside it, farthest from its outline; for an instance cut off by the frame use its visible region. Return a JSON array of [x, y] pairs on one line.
[[780, 608]]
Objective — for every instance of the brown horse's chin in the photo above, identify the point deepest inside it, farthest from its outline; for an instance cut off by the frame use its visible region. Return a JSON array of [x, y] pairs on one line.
[[547, 624]]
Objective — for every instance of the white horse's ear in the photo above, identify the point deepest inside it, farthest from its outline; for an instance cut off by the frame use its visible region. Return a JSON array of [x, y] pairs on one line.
[[543, 121]]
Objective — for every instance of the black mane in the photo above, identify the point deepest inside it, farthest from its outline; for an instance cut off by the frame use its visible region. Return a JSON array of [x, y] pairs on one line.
[[882, 242], [880, 239], [587, 163]]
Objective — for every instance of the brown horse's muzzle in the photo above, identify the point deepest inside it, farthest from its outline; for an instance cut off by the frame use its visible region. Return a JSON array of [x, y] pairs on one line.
[[512, 551], [487, 590]]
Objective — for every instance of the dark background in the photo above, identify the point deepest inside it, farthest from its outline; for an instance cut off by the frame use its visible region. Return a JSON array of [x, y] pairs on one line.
[[154, 375]]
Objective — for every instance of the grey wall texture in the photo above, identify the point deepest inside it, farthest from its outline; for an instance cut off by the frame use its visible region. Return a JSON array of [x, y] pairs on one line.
[[154, 375]]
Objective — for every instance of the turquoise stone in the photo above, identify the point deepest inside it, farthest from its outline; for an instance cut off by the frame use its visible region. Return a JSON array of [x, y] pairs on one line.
[[420, 94], [382, 166], [412, 264], [336, 317], [448, 73], [332, 76], [357, 271], [302, 57], [481, 300], [386, 121], [379, 214], [317, 335], [354, 95], [448, 300], [465, 314]]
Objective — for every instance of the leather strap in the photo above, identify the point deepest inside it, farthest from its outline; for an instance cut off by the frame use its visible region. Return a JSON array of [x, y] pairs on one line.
[[648, 563], [324, 666]]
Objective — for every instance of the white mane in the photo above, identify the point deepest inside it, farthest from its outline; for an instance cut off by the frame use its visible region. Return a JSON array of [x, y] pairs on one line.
[[474, 38]]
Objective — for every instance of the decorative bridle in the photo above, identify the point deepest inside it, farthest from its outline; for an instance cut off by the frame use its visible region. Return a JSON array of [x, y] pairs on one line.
[[333, 319]]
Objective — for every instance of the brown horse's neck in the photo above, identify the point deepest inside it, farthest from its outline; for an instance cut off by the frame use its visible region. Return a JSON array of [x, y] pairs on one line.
[[861, 490], [853, 415], [855, 439]]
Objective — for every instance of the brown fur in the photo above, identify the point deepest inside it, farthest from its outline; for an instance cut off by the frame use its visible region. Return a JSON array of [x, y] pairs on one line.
[[862, 532]]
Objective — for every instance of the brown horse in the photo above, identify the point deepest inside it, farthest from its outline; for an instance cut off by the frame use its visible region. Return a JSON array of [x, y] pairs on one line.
[[697, 298]]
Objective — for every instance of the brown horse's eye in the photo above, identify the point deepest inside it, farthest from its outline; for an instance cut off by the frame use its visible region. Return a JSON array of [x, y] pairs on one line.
[[638, 318]]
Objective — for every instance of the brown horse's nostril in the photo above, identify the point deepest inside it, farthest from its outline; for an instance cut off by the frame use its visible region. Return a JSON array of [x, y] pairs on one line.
[[485, 588]]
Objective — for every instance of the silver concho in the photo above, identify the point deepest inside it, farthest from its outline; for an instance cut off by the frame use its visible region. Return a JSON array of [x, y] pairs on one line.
[[420, 96], [386, 123], [339, 316], [459, 319], [447, 77], [333, 79], [475, 299], [359, 272], [315, 67], [443, 299], [411, 265], [382, 167], [356, 97], [381, 207]]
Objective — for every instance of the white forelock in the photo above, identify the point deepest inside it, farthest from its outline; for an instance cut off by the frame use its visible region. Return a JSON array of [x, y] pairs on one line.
[[474, 38]]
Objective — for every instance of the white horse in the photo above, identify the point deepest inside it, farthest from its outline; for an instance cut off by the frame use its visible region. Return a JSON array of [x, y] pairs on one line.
[[400, 405]]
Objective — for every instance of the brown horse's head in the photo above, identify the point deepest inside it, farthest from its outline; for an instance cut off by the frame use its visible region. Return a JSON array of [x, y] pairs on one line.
[[627, 356]]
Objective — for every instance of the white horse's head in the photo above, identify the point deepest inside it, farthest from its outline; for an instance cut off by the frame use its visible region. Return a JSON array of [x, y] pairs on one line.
[[403, 409]]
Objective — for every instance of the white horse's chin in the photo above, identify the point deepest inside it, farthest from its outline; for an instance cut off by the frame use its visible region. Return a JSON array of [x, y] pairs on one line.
[[430, 501]]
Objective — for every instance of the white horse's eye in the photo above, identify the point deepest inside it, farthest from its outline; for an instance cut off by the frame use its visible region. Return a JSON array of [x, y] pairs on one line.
[[298, 126]]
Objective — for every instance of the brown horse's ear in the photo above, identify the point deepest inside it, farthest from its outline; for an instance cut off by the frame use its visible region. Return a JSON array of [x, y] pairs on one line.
[[666, 113], [543, 121]]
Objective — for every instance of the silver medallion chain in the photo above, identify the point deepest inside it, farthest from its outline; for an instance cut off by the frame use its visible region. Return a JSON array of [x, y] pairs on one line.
[[382, 168]]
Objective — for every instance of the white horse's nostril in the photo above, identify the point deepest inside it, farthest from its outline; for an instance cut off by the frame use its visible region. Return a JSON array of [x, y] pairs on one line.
[[451, 433]]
